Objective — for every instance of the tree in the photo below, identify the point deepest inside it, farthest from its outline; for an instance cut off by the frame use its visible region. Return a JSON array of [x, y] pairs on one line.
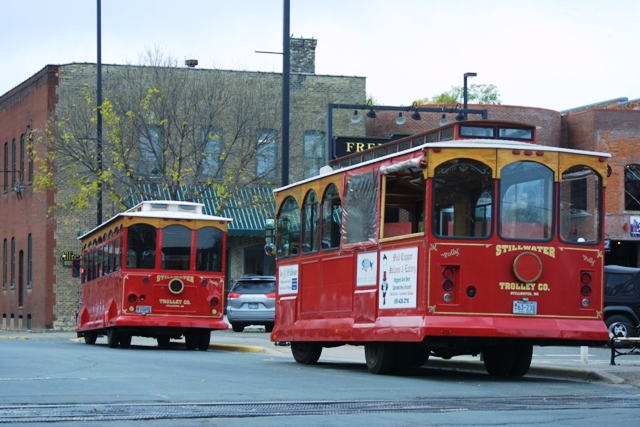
[[168, 132], [476, 94]]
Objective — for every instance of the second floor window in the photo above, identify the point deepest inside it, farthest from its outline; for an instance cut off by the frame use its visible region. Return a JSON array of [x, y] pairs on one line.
[[313, 146], [151, 151], [266, 155], [632, 188]]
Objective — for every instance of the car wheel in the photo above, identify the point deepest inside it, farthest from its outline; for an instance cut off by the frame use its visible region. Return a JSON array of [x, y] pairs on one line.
[[621, 326], [268, 327], [237, 327]]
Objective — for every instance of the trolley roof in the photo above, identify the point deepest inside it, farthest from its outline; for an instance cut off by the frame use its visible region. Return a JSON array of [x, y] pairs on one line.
[[170, 209]]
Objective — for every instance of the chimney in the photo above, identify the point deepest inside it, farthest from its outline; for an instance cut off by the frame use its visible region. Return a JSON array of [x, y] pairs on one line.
[[303, 55]]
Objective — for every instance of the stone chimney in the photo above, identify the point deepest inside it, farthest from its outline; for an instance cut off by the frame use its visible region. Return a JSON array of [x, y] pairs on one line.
[[303, 55]]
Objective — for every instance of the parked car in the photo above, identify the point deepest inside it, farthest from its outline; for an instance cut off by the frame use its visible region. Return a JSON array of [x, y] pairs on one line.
[[251, 301], [622, 300]]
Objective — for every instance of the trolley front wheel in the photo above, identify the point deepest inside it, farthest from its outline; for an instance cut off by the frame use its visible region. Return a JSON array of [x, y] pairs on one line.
[[90, 337], [306, 353]]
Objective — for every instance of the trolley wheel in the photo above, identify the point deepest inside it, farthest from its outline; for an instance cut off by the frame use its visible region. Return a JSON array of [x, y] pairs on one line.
[[90, 337], [306, 353], [204, 338], [191, 339], [522, 360], [381, 357], [499, 359], [113, 337], [125, 340], [409, 355], [163, 342], [237, 327]]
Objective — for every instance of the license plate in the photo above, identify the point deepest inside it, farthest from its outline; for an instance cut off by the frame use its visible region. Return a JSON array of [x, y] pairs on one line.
[[525, 307], [253, 305], [143, 309]]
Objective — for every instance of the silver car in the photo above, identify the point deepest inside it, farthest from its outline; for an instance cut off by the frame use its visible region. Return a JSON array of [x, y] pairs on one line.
[[252, 301]]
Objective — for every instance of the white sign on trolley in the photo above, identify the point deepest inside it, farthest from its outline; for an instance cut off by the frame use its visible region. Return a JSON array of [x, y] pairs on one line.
[[398, 278], [367, 269], [288, 279]]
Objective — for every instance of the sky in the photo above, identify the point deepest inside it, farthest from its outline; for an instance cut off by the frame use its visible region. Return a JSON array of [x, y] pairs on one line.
[[554, 54]]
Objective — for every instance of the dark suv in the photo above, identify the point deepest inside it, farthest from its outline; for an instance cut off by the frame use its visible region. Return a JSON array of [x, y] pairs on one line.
[[622, 300], [252, 301]]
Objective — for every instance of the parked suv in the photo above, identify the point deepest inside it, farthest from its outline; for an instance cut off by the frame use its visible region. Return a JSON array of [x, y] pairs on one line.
[[251, 301], [622, 299]]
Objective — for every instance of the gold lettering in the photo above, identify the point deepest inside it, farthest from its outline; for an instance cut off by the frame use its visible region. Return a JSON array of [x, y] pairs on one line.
[[349, 146]]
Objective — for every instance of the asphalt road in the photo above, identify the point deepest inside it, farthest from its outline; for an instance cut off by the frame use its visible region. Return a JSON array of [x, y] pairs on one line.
[[244, 380]]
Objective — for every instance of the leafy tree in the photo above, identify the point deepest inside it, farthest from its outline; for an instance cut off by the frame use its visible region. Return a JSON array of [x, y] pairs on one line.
[[476, 94], [168, 132]]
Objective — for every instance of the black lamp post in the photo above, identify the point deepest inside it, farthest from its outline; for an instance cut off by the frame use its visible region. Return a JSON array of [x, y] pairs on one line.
[[464, 94], [99, 119]]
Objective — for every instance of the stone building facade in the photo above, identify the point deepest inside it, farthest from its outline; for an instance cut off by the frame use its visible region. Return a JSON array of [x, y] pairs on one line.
[[39, 292]]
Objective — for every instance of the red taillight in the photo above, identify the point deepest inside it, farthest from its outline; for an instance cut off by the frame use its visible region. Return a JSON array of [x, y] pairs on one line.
[[132, 298], [233, 295], [271, 295], [214, 301]]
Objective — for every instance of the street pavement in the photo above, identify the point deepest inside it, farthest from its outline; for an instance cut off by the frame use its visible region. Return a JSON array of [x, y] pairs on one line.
[[588, 364]]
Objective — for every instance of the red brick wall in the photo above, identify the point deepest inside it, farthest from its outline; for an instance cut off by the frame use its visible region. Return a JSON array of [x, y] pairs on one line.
[[22, 109]]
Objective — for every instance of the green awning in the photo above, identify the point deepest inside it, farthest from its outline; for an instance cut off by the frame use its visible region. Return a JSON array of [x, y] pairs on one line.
[[248, 207]]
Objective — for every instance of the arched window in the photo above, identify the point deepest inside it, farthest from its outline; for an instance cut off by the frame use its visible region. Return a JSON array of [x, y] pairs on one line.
[[331, 214], [462, 199], [176, 248], [209, 249], [141, 246], [526, 201], [632, 188], [580, 205], [289, 228], [310, 223]]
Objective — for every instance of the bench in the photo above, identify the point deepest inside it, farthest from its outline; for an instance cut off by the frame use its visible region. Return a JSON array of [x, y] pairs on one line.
[[626, 346]]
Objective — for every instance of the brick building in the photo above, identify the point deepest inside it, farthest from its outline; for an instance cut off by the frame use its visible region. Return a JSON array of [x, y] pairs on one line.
[[611, 126], [38, 291]]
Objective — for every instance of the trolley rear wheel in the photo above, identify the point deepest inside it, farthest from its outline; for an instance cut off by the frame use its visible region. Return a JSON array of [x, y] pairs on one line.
[[113, 337], [191, 339], [306, 353], [508, 358], [381, 357], [125, 340], [90, 337], [204, 338]]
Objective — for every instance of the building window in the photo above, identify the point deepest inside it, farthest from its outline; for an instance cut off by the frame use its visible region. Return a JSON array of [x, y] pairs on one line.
[[6, 166], [632, 188], [29, 261], [151, 151], [30, 152], [13, 263], [211, 153], [266, 155], [313, 149], [22, 153], [4, 264], [14, 162]]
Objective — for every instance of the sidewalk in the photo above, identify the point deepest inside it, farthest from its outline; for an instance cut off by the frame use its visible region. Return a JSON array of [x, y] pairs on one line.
[[570, 363]]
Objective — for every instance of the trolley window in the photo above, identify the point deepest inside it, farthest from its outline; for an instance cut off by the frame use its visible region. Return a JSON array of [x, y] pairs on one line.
[[209, 249], [580, 205], [526, 201], [360, 208], [462, 199], [141, 246], [289, 228], [331, 216]]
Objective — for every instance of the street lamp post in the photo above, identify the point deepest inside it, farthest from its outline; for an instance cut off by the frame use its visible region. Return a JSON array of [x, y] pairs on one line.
[[464, 94], [99, 118]]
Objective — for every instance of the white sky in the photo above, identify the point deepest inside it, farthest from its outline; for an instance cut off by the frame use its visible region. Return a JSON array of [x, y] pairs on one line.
[[555, 54]]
